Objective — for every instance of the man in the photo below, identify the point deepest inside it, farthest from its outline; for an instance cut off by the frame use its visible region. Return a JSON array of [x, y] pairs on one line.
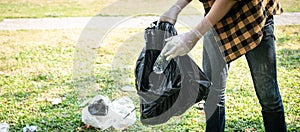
[[243, 27]]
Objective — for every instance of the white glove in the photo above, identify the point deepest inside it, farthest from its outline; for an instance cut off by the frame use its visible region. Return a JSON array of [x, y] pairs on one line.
[[172, 14], [183, 43]]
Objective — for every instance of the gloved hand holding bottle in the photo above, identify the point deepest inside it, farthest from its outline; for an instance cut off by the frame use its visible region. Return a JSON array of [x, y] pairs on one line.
[[169, 16], [180, 45], [183, 43]]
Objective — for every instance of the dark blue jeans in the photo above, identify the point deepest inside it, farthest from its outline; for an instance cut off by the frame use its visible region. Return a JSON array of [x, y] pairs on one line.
[[262, 63]]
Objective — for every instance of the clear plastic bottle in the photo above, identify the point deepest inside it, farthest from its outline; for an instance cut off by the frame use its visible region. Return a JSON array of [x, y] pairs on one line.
[[160, 64]]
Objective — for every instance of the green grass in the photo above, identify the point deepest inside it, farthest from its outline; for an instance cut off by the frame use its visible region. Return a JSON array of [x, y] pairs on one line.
[[290, 5], [60, 8], [37, 66], [76, 8]]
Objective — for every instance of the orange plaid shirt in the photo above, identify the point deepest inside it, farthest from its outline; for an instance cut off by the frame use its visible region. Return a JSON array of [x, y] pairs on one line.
[[241, 29]]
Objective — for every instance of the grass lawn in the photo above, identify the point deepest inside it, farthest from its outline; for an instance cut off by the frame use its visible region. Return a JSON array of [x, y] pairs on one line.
[[290, 5], [52, 8], [76, 8], [36, 66]]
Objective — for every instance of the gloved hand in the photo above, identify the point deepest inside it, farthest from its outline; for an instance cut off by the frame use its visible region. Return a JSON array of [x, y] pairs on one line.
[[172, 14], [181, 44]]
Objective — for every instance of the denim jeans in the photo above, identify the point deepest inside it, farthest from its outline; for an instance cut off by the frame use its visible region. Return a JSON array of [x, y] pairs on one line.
[[262, 64]]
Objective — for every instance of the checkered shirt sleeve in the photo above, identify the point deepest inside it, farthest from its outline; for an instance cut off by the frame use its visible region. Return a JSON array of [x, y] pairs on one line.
[[240, 30]]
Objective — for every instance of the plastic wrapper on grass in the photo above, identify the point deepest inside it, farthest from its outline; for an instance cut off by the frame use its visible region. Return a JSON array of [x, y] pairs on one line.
[[120, 113], [30, 129], [4, 127]]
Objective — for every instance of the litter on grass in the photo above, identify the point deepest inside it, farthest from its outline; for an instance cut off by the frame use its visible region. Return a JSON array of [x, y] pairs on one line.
[[102, 113], [30, 129], [4, 127]]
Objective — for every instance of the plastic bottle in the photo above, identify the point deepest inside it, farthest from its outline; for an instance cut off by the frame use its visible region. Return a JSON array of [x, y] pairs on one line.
[[160, 64]]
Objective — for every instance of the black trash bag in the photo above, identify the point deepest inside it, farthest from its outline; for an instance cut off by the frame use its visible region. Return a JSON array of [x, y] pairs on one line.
[[171, 93]]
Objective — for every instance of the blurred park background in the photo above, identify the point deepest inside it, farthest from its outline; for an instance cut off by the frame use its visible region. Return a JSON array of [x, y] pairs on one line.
[[37, 66]]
